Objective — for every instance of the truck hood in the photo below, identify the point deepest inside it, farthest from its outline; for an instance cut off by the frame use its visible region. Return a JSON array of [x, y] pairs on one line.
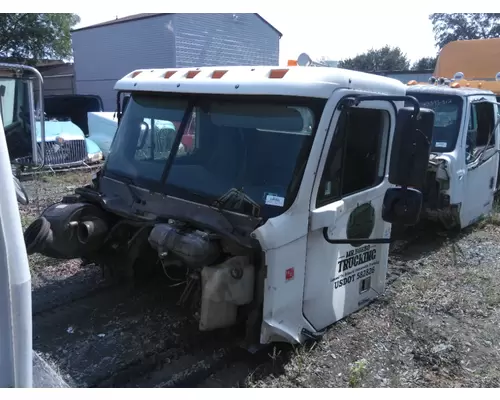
[[53, 129]]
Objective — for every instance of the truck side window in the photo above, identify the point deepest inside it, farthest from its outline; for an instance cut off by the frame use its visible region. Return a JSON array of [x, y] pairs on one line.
[[485, 123], [473, 119], [8, 104], [480, 129], [357, 156]]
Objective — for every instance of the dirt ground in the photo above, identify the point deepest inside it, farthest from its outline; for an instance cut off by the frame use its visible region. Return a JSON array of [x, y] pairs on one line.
[[437, 325]]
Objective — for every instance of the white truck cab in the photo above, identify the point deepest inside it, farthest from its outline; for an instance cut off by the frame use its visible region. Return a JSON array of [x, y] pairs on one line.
[[26, 143], [279, 214], [462, 177]]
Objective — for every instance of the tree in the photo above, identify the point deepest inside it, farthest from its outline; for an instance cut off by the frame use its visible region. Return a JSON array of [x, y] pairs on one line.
[[425, 63], [466, 26], [384, 59], [32, 37]]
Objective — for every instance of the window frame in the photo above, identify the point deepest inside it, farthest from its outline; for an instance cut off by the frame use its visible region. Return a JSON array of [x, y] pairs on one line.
[[478, 152], [382, 157]]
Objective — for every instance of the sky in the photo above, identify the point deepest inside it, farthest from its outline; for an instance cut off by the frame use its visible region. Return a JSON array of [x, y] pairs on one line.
[[333, 32]]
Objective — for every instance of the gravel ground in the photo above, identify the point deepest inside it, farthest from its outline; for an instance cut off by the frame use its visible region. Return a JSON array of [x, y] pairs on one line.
[[436, 326]]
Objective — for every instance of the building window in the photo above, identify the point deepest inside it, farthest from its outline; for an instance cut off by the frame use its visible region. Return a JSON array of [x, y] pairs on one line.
[[357, 156]]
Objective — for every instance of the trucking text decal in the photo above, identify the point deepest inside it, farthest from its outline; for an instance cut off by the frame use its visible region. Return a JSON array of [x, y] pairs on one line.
[[355, 264]]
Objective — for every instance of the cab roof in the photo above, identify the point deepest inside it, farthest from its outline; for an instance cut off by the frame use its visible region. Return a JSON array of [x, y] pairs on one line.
[[259, 80], [443, 89]]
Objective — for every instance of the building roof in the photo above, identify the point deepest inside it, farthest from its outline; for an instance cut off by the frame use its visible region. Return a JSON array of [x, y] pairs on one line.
[[136, 17]]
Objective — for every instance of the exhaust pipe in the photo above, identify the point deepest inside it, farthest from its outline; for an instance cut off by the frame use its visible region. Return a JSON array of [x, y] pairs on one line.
[[67, 231], [88, 231], [38, 236]]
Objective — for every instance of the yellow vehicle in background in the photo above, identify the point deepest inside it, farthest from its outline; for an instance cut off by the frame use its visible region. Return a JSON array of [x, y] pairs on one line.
[[468, 63], [471, 63]]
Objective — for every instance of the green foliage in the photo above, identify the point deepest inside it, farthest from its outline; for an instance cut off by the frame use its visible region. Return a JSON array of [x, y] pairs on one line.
[[384, 59], [32, 37], [425, 63], [464, 26], [357, 373]]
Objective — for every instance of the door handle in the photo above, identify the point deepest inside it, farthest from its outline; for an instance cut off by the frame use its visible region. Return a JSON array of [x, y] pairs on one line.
[[354, 242]]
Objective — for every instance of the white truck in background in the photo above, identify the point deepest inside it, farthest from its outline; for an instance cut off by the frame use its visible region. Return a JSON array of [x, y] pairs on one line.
[[464, 164], [462, 176], [25, 143]]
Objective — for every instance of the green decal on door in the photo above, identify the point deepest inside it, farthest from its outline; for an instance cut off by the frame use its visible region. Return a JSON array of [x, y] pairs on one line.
[[361, 222]]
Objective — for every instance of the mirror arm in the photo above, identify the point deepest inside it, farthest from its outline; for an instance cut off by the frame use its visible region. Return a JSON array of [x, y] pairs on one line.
[[356, 99], [118, 107]]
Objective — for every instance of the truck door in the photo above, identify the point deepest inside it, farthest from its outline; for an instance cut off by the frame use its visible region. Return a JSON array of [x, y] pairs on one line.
[[24, 131], [481, 159], [350, 186]]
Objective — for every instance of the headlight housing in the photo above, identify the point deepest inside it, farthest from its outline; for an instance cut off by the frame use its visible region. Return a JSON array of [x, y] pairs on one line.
[[95, 157]]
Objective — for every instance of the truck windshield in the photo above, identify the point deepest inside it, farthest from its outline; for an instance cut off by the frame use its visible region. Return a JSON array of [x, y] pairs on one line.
[[254, 147], [448, 114]]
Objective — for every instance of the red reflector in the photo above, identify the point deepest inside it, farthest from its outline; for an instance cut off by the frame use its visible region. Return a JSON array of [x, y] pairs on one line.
[[192, 74], [218, 74], [168, 74], [277, 73]]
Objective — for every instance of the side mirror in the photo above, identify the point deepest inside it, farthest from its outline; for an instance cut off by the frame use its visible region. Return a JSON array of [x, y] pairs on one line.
[[411, 147], [402, 206]]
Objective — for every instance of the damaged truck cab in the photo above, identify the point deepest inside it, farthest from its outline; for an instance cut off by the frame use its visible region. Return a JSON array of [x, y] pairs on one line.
[[277, 217], [464, 163]]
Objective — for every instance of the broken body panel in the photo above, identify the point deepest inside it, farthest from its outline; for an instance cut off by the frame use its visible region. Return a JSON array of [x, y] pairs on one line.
[[275, 217]]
